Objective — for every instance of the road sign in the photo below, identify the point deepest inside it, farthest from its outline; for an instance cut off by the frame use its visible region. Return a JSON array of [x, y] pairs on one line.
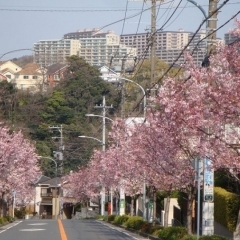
[[208, 188]]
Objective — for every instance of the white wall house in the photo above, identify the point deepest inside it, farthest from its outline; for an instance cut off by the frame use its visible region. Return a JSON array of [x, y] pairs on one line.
[[32, 77], [8, 69], [109, 75]]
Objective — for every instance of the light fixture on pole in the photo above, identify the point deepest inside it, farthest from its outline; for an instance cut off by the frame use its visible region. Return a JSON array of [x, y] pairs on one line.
[[55, 183], [91, 138], [103, 190], [104, 132], [144, 94]]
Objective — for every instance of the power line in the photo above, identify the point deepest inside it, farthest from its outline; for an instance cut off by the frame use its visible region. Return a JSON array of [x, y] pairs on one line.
[[171, 66]]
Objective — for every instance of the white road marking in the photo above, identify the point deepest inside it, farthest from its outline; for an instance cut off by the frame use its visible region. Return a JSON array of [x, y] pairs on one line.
[[12, 225], [38, 224], [31, 230]]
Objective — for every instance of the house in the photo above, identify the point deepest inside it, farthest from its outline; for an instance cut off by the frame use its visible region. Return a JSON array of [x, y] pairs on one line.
[[47, 196], [55, 73], [31, 77], [50, 197], [107, 74], [8, 69]]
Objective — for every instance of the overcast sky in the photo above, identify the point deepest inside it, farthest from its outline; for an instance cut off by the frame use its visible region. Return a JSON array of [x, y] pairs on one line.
[[25, 22]]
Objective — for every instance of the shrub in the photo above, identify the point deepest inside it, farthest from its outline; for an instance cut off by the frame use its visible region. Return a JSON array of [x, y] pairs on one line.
[[146, 227], [105, 218], [149, 228], [111, 218], [172, 233], [3, 220], [19, 213], [9, 218], [134, 222], [226, 207], [213, 237], [189, 237], [120, 219]]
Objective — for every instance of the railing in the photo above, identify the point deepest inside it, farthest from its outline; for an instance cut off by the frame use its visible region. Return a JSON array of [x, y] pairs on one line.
[[46, 194]]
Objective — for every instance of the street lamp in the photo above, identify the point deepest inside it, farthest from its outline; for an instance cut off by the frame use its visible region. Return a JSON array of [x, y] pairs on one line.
[[103, 189], [91, 138], [55, 183], [104, 133], [144, 94], [93, 115]]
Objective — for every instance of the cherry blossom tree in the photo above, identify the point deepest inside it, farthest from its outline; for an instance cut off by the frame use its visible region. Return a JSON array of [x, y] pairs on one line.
[[18, 165], [196, 116]]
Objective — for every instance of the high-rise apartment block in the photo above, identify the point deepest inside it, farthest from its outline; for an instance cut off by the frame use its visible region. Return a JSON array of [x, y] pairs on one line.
[[169, 44], [49, 52], [99, 48], [107, 48], [230, 38]]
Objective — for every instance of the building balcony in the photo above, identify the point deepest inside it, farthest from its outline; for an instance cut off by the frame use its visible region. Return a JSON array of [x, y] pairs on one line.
[[44, 194]]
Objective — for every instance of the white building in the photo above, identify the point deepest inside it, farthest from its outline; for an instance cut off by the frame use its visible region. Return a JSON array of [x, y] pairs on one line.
[[31, 77], [99, 48], [8, 69], [49, 52], [169, 44]]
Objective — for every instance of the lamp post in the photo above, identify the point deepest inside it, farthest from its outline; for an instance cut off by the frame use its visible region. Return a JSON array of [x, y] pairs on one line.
[[144, 114], [208, 206], [55, 183], [104, 133], [144, 94], [103, 189]]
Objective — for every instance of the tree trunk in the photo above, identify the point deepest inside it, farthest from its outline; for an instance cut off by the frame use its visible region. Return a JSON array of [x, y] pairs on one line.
[[132, 206], [189, 212], [166, 209]]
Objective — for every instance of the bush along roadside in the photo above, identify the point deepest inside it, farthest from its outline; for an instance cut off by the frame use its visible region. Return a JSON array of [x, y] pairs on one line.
[[6, 219], [138, 225]]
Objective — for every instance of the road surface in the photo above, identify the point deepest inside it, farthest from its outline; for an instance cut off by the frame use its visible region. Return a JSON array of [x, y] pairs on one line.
[[48, 229]]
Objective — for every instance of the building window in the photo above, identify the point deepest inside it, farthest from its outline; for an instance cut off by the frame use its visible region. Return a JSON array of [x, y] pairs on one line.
[[56, 77], [25, 77], [34, 77]]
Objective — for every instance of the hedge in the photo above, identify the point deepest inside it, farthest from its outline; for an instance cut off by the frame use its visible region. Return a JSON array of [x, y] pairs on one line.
[[226, 208]]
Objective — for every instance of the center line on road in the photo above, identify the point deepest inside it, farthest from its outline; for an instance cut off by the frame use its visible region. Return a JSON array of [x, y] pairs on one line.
[[62, 231]]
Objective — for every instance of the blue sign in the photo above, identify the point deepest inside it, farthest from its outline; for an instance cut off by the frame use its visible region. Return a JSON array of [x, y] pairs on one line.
[[208, 180]]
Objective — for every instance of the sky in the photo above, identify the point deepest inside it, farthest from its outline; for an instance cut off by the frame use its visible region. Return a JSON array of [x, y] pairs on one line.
[[25, 22]]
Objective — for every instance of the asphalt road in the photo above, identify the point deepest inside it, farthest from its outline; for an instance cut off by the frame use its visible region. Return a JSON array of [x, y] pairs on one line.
[[83, 229]]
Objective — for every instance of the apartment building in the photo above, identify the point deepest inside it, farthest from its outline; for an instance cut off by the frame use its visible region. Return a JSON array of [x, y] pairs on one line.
[[99, 48], [230, 38], [169, 44], [49, 52]]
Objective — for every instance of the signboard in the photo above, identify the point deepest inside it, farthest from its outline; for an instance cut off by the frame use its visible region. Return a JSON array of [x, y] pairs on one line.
[[208, 188]]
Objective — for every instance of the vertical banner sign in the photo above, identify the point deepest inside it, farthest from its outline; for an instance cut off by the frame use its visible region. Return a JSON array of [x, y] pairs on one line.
[[208, 198], [208, 188], [122, 201]]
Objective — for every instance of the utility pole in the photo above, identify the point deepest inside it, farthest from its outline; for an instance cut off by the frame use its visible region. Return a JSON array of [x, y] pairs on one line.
[[208, 171], [211, 27], [153, 45], [59, 154], [123, 88], [103, 107]]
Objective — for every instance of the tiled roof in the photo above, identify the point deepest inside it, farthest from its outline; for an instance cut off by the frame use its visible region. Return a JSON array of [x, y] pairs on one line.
[[42, 178], [51, 182], [55, 67], [30, 69]]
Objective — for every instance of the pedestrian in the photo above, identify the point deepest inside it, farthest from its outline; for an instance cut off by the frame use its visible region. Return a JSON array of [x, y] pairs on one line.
[[44, 214]]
